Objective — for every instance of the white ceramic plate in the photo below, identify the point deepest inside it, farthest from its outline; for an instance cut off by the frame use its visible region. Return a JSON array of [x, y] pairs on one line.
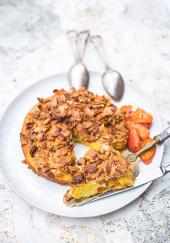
[[40, 192]]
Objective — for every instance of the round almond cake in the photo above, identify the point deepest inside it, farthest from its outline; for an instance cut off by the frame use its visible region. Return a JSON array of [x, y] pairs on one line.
[[55, 123]]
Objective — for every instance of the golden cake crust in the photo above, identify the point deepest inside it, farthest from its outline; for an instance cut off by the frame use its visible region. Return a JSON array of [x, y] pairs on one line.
[[52, 126]]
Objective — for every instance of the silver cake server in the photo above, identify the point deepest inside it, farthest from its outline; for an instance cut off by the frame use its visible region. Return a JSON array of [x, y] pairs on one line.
[[142, 179]]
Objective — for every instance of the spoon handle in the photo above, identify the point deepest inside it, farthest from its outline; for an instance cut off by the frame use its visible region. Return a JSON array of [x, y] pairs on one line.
[[73, 39], [82, 43], [159, 139], [97, 42], [146, 147], [163, 136]]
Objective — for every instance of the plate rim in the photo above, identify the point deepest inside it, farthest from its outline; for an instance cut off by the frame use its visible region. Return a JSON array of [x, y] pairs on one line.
[[6, 179]]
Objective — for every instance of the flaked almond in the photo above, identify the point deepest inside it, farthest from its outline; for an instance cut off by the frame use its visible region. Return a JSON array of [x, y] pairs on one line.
[[78, 179], [92, 168], [46, 121], [108, 111], [87, 124], [89, 112], [33, 150], [41, 137], [66, 133]]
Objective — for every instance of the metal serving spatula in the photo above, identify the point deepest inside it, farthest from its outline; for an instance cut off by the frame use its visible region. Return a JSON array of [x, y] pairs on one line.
[[143, 178]]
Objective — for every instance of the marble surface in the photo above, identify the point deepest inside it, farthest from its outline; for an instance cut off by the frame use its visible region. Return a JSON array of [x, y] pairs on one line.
[[33, 46]]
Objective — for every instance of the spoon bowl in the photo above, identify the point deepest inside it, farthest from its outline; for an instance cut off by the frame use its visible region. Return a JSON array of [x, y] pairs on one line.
[[135, 168], [78, 76], [113, 84], [112, 80]]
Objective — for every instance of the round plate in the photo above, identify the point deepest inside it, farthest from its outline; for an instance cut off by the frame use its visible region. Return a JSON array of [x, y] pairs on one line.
[[40, 192]]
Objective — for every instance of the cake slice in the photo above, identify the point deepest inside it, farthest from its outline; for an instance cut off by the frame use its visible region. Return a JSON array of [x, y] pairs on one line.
[[101, 170]]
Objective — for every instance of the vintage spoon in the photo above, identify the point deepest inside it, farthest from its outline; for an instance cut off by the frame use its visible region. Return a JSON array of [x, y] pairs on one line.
[[112, 80], [78, 74], [159, 139]]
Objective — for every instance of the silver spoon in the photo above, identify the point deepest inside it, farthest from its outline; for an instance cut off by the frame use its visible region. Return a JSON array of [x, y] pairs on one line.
[[158, 139], [134, 165], [78, 74], [112, 80]]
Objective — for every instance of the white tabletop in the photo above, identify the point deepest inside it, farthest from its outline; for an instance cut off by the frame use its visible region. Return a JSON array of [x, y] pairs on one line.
[[33, 46]]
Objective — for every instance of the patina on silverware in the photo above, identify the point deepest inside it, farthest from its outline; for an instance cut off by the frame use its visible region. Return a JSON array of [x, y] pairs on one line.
[[159, 139], [78, 75], [112, 80]]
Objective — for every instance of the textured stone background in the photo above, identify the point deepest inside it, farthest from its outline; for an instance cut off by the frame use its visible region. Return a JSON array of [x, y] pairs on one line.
[[137, 39]]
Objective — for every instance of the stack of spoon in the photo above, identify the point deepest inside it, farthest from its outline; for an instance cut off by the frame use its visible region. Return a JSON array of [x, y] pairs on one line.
[[78, 74]]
